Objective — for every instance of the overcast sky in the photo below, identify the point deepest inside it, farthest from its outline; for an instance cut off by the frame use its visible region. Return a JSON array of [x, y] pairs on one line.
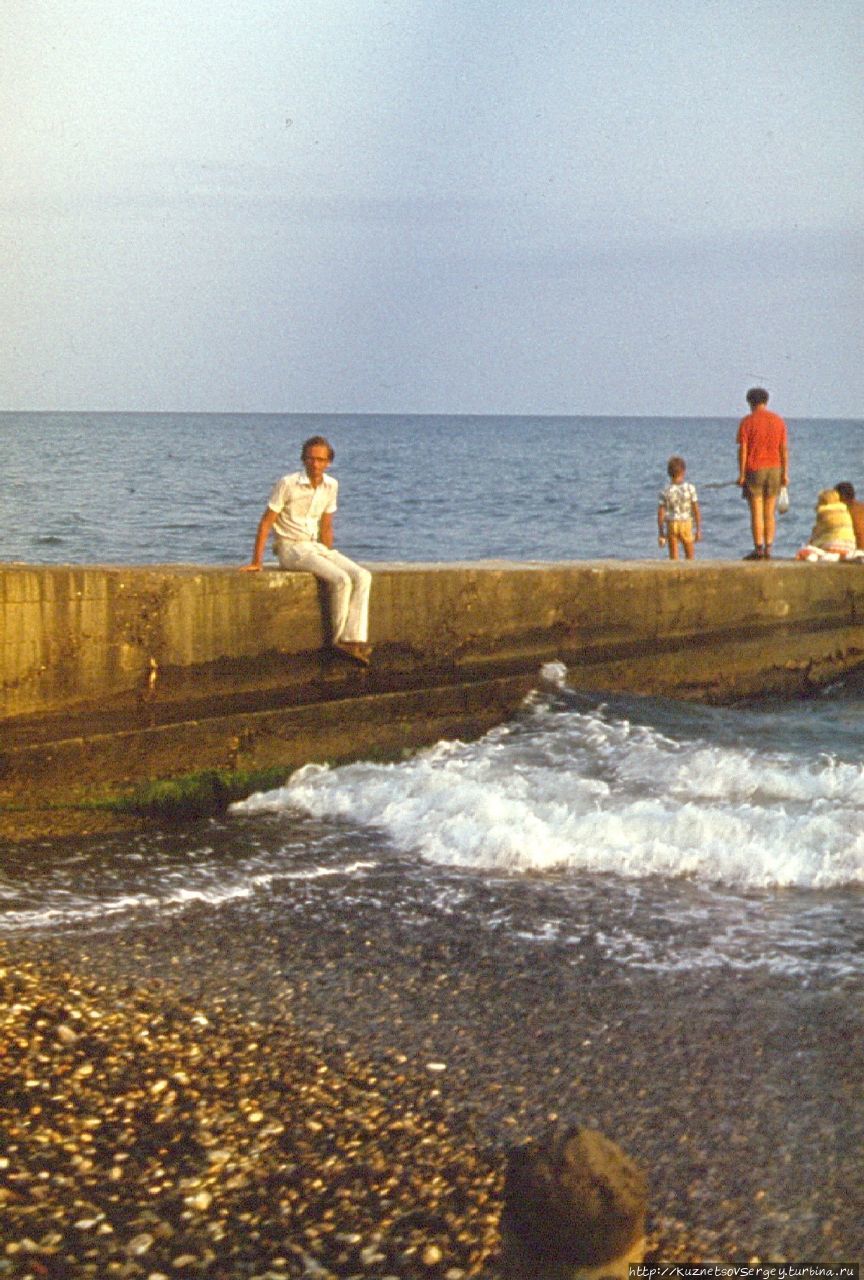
[[454, 206]]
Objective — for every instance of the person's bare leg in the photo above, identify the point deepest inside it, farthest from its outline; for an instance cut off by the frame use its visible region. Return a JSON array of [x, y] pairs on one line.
[[689, 550], [769, 522], [673, 546], [757, 519]]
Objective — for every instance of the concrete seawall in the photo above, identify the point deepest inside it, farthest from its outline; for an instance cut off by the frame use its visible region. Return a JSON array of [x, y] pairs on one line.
[[111, 675]]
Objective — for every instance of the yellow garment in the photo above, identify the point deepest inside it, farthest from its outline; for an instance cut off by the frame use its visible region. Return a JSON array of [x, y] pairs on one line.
[[833, 530]]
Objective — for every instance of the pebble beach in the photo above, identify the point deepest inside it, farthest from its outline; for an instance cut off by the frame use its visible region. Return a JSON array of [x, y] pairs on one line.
[[198, 1098]]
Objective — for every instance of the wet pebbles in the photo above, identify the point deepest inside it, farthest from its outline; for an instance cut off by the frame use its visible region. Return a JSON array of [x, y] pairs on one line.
[[231, 1097], [144, 1137]]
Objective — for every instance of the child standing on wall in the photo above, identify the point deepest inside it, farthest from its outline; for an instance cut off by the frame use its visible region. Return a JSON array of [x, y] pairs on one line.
[[679, 519]]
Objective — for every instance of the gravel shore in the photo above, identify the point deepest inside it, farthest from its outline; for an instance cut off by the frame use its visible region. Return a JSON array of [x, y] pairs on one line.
[[226, 1096]]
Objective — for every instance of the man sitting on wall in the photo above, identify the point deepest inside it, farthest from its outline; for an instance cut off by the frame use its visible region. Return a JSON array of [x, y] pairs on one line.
[[300, 515]]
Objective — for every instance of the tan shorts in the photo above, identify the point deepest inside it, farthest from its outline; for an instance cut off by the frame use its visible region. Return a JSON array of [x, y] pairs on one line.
[[680, 529], [764, 483]]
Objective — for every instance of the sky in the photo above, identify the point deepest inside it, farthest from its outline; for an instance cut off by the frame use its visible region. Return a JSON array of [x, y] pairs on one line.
[[432, 206]]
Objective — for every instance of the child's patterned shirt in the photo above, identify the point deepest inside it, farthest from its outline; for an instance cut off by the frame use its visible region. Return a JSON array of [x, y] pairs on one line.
[[678, 500]]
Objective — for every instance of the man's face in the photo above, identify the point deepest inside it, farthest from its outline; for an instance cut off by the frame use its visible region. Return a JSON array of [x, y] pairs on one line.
[[316, 460]]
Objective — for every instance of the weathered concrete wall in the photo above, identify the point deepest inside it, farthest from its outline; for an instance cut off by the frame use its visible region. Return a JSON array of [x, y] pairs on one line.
[[90, 635], [150, 670], [77, 634]]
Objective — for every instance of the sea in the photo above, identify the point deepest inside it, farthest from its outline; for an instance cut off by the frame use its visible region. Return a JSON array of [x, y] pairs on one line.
[[676, 836]]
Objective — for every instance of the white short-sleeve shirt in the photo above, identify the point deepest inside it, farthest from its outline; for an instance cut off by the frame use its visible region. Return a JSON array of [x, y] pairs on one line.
[[300, 506]]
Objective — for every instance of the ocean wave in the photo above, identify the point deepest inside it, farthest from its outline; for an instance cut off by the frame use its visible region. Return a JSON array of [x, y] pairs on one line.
[[583, 791]]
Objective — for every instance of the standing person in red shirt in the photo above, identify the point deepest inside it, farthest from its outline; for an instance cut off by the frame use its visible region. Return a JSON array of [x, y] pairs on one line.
[[763, 468]]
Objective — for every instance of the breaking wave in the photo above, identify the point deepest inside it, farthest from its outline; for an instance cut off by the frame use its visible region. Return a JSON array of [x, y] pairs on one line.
[[591, 791]]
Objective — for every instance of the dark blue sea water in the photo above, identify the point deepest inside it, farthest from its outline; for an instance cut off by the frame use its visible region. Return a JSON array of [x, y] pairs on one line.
[[133, 488]]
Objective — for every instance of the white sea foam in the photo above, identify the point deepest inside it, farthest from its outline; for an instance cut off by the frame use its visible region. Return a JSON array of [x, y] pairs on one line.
[[176, 892], [78, 910], [588, 792]]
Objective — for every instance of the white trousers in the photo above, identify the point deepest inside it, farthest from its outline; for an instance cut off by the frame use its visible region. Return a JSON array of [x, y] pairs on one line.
[[348, 585]]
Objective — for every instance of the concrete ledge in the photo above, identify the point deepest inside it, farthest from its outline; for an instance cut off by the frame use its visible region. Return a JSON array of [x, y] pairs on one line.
[[143, 666], [336, 731]]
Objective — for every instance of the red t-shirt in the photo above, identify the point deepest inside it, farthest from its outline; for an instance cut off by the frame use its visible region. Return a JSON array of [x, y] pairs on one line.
[[763, 432]]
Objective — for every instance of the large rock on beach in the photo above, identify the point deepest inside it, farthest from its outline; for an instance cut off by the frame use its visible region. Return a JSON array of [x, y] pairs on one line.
[[574, 1206]]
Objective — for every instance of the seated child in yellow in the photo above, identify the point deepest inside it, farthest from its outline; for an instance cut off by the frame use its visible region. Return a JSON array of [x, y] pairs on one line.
[[679, 520]]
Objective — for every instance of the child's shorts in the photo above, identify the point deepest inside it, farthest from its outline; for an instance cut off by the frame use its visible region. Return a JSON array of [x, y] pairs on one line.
[[680, 529]]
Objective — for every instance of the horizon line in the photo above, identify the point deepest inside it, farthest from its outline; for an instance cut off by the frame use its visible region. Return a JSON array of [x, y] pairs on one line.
[[365, 413]]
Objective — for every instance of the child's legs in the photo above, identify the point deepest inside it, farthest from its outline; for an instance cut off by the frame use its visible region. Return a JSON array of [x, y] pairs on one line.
[[680, 533]]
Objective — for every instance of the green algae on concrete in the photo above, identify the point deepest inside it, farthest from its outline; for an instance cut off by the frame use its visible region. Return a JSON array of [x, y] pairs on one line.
[[195, 795]]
